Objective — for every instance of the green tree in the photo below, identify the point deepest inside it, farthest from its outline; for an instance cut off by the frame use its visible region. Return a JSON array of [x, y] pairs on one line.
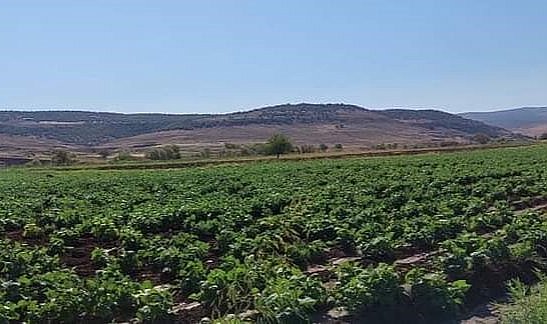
[[61, 157], [168, 152], [279, 144]]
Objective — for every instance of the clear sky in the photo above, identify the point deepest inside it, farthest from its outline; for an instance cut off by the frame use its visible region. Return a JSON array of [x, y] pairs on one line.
[[226, 55]]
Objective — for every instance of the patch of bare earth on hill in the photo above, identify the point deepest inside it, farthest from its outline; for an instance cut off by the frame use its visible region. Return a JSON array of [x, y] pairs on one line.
[[22, 146], [330, 134], [532, 130]]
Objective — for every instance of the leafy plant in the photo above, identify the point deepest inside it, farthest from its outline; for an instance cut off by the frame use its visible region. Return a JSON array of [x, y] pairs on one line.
[[362, 288], [432, 295]]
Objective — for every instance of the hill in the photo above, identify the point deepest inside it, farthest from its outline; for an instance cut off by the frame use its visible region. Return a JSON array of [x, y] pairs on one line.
[[350, 125], [434, 119], [531, 121], [89, 128]]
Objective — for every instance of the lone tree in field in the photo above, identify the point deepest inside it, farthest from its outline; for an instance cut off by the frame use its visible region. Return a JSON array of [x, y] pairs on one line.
[[279, 144], [61, 157]]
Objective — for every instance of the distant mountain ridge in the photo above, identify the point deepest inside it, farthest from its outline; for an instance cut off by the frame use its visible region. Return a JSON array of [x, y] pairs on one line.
[[93, 128], [530, 121], [39, 132]]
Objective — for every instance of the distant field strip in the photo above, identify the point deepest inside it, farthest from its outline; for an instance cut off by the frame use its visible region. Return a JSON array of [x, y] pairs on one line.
[[290, 157]]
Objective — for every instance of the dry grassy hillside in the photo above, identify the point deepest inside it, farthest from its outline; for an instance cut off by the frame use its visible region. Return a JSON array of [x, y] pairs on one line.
[[354, 127]]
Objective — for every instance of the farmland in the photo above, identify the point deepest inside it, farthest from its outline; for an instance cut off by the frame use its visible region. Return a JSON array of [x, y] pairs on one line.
[[418, 238]]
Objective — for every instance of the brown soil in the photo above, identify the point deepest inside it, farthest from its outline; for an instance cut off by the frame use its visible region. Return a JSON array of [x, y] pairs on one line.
[[147, 273], [212, 260], [18, 237], [79, 256], [421, 259], [533, 203], [187, 312]]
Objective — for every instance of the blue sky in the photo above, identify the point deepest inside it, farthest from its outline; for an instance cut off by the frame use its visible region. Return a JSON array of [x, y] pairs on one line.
[[226, 55]]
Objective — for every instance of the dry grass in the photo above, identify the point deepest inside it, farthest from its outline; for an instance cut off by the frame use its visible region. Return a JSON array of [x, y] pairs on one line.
[[350, 136]]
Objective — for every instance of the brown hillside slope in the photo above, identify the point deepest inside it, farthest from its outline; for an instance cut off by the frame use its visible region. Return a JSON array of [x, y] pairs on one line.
[[349, 125]]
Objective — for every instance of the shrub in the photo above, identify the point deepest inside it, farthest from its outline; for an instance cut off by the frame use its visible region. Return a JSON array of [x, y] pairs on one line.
[[307, 149], [323, 147], [168, 152], [63, 158], [124, 155]]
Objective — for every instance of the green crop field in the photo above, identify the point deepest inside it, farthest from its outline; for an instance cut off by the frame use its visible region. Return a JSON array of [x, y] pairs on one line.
[[394, 239]]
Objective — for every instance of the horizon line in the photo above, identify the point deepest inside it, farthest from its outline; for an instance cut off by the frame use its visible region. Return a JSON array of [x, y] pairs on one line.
[[93, 110]]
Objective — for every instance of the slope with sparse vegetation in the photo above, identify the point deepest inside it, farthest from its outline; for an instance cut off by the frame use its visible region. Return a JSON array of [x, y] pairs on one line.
[[93, 128]]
